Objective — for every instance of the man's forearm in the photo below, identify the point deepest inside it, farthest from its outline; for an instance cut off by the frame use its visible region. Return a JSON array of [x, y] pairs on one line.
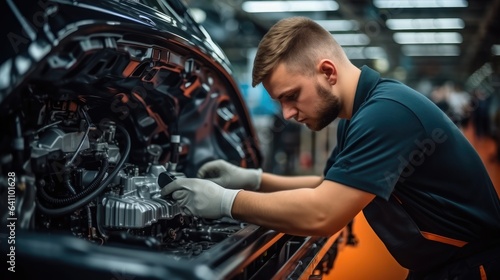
[[272, 183], [319, 211], [282, 211]]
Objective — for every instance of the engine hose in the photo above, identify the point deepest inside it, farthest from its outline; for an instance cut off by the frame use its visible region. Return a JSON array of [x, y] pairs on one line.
[[86, 200], [67, 181], [69, 200], [89, 124]]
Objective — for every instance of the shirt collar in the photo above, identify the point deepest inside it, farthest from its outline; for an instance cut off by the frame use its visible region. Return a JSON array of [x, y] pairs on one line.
[[367, 81]]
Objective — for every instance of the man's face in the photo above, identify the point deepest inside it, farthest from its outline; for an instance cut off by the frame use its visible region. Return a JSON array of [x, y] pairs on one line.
[[307, 99]]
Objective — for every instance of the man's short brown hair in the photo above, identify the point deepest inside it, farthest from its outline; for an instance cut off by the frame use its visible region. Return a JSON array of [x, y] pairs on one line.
[[299, 42]]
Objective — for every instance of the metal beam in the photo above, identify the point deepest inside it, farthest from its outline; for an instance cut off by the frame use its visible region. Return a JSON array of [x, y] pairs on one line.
[[491, 12], [375, 28]]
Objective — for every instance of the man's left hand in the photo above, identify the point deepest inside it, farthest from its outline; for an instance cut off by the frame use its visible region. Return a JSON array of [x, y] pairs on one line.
[[201, 198]]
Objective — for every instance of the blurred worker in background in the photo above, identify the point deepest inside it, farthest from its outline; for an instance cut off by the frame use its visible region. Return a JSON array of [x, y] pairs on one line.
[[480, 116], [460, 105], [399, 159]]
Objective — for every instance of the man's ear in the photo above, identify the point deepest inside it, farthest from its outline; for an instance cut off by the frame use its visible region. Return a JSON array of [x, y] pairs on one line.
[[327, 68]]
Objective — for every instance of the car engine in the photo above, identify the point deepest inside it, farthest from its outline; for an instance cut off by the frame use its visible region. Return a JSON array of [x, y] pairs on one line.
[[103, 103], [98, 156]]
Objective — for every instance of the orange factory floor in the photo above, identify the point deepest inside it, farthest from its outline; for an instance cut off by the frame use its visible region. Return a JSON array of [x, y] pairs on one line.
[[370, 259]]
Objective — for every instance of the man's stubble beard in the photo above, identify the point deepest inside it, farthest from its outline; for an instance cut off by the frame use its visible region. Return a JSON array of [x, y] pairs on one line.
[[328, 108]]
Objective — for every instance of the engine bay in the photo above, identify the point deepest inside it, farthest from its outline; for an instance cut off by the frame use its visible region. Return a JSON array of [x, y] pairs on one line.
[[99, 135], [104, 104]]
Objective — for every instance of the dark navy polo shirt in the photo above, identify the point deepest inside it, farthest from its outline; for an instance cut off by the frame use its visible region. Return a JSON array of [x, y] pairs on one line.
[[433, 193]]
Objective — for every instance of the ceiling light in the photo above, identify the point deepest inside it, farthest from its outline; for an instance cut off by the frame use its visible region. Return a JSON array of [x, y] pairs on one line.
[[427, 37], [495, 49], [288, 6], [425, 23], [431, 50], [339, 25], [365, 52], [354, 52], [352, 39], [393, 4], [375, 52]]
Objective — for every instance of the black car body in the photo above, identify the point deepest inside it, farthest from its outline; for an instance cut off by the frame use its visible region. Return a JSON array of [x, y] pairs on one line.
[[102, 103]]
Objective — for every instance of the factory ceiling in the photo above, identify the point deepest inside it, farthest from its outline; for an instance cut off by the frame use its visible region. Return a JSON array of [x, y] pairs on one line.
[[408, 39]]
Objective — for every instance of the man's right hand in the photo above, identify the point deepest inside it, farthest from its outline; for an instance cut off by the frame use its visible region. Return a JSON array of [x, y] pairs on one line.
[[231, 176]]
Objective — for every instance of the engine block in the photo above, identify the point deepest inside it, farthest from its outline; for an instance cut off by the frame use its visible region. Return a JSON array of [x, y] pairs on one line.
[[141, 204]]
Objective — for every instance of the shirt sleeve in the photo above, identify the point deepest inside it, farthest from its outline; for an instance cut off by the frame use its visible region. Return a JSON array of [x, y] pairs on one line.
[[378, 142]]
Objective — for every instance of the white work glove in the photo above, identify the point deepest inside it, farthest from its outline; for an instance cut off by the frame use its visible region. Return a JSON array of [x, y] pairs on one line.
[[231, 176], [201, 198]]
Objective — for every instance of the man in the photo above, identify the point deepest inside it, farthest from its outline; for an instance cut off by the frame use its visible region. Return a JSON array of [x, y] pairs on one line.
[[399, 159]]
